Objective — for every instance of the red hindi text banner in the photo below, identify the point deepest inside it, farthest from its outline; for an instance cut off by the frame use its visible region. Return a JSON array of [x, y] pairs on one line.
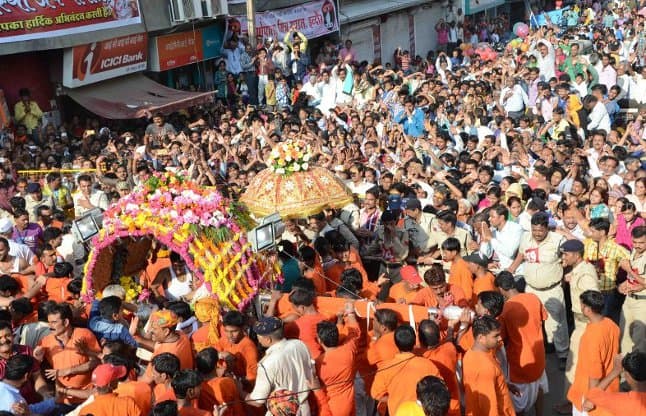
[[22, 20], [98, 61], [179, 49]]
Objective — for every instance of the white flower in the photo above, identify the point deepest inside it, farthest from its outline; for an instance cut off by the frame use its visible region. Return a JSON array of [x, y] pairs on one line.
[[306, 158], [288, 158], [305, 166], [280, 171], [275, 154], [297, 167], [271, 168]]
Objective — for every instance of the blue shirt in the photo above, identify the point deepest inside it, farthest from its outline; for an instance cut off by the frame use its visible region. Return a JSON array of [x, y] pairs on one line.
[[9, 395], [108, 330], [413, 124]]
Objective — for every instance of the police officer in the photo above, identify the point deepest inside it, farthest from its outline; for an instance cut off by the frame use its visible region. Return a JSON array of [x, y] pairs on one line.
[[582, 277]]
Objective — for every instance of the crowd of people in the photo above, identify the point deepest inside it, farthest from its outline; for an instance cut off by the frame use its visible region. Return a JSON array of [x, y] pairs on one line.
[[506, 195]]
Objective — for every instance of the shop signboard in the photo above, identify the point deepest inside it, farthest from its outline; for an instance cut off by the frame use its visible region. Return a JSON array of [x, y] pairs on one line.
[[313, 19], [22, 20], [184, 48], [212, 38], [98, 61], [177, 49]]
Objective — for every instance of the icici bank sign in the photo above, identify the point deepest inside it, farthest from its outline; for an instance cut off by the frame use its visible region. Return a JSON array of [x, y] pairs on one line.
[[98, 61]]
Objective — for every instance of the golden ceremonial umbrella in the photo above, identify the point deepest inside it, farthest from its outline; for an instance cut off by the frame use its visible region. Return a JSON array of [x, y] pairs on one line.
[[296, 194]]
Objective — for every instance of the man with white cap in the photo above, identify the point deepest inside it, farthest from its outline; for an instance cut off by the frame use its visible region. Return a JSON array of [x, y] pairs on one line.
[[15, 249]]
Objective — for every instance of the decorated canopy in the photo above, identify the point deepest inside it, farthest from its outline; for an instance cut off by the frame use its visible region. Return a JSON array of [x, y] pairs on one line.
[[205, 229], [292, 188]]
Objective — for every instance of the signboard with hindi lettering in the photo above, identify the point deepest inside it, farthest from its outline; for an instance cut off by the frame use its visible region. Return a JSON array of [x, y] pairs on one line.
[[98, 61], [22, 20], [313, 19]]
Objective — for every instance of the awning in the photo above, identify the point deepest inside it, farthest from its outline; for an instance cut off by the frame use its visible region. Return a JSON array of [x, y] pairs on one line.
[[134, 96], [366, 9]]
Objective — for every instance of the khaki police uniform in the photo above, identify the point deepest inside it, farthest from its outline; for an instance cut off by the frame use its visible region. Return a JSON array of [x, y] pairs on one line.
[[582, 277], [543, 274], [633, 313]]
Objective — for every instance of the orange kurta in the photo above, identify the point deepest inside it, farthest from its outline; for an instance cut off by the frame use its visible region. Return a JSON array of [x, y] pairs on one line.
[[333, 273], [317, 277], [632, 403], [522, 331], [193, 411], [399, 293], [445, 358], [246, 355], [399, 377], [383, 349], [336, 369], [67, 356], [180, 348], [163, 392], [220, 390], [485, 389], [56, 289], [426, 297], [482, 284], [138, 391], [460, 275], [304, 328], [598, 346], [109, 405]]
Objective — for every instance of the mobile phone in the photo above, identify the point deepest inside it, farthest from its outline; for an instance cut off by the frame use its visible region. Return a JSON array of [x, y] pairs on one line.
[[2, 159], [90, 132]]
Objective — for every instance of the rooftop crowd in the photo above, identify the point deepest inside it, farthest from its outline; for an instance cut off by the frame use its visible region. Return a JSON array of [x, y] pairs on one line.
[[505, 191]]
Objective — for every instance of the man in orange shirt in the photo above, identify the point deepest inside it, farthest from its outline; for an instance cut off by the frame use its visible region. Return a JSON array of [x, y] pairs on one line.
[[166, 339], [312, 270], [489, 303], [438, 293], [599, 345], [164, 367], [397, 380], [69, 367], [336, 367], [522, 331], [304, 328], [406, 290], [138, 391], [483, 277], [236, 344], [105, 378], [186, 385], [216, 389], [485, 390], [620, 403], [459, 274], [444, 356], [383, 347]]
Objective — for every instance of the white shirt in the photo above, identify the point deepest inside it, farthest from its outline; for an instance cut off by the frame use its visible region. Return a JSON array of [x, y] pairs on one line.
[[517, 100], [504, 243], [546, 64], [97, 198], [328, 96], [599, 118], [313, 91], [9, 395], [286, 365], [21, 251]]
